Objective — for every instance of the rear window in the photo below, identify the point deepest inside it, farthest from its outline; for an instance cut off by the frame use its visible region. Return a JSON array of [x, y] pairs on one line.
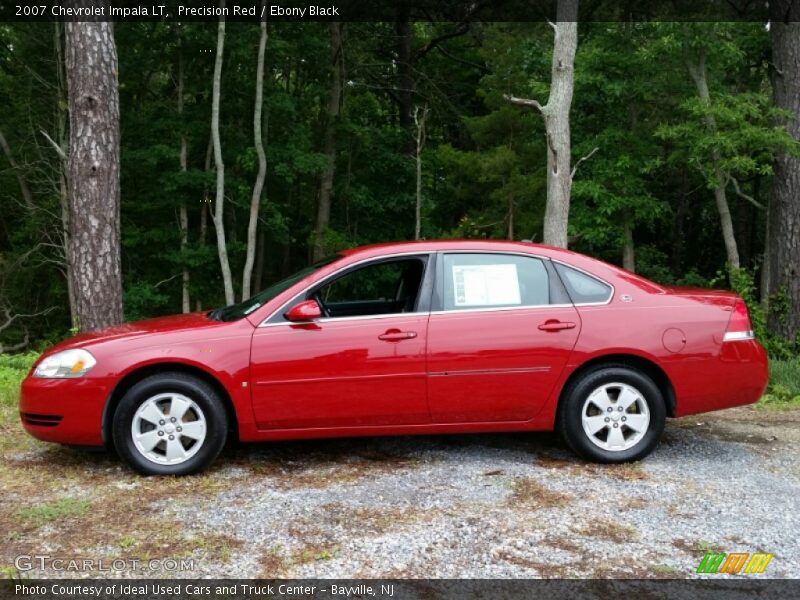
[[583, 288]]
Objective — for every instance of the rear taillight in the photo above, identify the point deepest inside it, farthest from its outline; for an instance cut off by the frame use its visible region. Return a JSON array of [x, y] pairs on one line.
[[739, 327]]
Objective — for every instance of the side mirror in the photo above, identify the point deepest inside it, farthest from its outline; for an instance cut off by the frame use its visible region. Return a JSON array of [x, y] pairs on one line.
[[306, 311]]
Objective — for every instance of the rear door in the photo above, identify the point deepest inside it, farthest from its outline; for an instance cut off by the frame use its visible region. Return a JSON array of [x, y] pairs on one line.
[[500, 334]]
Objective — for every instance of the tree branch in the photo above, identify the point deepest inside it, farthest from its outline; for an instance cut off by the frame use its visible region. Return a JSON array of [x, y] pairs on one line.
[[524, 102], [747, 197], [423, 50], [15, 347], [463, 61], [463, 27], [11, 318], [580, 160], [58, 148], [163, 281]]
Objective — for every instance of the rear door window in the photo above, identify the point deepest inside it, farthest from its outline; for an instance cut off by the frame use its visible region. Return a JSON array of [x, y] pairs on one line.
[[477, 280]]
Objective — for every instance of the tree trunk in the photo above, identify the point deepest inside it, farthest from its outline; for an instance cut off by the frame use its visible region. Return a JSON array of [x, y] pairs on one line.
[[765, 264], [628, 254], [219, 205], [255, 201], [556, 115], [91, 62], [205, 206], [556, 122], [206, 198], [678, 226], [405, 74], [698, 73], [62, 137], [261, 255], [329, 145], [510, 230], [419, 122], [784, 205], [183, 214]]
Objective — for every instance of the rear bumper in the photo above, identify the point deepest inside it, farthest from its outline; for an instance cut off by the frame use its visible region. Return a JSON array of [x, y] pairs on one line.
[[737, 377], [67, 411]]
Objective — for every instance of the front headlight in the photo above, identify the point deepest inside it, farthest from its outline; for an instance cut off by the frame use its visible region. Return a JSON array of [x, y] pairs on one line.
[[65, 364]]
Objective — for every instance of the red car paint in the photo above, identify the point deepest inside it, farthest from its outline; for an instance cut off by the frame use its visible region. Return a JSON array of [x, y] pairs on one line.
[[409, 373]]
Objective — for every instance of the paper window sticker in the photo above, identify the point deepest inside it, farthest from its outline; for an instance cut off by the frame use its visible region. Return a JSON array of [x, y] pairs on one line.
[[486, 285]]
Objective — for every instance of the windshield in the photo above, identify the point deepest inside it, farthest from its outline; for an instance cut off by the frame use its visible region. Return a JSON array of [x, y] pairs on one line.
[[237, 311]]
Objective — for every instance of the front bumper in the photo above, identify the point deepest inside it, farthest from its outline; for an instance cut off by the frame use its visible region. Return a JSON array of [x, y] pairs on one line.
[[67, 411]]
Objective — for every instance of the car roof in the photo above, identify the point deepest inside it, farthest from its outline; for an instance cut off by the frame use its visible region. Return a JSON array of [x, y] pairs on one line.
[[437, 245], [593, 265]]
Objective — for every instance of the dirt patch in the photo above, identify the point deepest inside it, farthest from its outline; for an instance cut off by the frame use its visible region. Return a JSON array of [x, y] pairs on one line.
[[532, 495], [323, 464], [623, 472], [493, 473], [545, 570], [373, 520], [562, 543], [696, 547], [637, 571], [637, 503], [273, 563], [608, 530]]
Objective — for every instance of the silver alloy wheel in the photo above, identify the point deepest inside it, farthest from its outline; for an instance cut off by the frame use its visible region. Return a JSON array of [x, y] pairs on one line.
[[168, 429], [615, 416]]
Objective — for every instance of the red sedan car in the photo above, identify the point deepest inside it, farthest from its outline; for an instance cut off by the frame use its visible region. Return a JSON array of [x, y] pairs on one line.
[[406, 338]]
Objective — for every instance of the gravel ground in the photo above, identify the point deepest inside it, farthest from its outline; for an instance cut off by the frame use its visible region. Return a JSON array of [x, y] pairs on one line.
[[513, 505], [487, 506]]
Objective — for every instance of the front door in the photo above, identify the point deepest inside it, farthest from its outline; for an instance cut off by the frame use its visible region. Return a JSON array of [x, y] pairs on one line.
[[361, 365], [500, 339]]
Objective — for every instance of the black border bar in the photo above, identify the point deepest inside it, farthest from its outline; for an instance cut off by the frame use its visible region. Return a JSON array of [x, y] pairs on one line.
[[706, 588], [387, 10]]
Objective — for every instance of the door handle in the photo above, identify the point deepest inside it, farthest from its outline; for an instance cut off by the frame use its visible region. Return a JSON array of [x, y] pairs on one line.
[[395, 335], [554, 325]]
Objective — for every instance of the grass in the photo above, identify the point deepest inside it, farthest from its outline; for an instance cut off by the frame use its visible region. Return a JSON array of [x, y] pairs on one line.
[[54, 511], [13, 368], [664, 571], [783, 391]]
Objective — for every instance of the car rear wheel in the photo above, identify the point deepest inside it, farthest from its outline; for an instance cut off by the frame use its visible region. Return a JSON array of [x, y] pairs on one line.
[[170, 424], [612, 414]]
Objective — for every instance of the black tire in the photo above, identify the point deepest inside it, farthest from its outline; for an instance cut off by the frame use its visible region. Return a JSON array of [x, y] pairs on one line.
[[570, 425], [198, 391]]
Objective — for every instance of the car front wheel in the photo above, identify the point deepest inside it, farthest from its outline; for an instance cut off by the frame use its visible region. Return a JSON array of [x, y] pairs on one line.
[[612, 414], [170, 424]]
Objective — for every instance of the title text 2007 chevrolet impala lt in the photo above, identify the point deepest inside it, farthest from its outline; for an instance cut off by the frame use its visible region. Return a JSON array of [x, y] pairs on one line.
[[407, 338]]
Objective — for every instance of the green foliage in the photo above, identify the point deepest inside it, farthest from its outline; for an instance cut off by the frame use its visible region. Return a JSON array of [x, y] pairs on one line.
[[13, 368], [742, 282], [784, 384], [742, 144], [483, 165]]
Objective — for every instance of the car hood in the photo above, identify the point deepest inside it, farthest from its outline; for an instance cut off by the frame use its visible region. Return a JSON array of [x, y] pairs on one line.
[[171, 324]]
